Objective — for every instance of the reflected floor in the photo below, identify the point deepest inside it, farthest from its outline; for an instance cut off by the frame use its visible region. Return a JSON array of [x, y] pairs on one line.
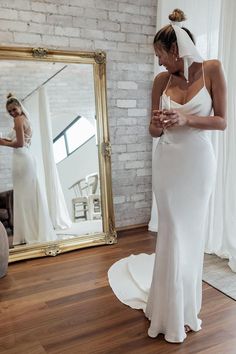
[[77, 229], [80, 228], [218, 274]]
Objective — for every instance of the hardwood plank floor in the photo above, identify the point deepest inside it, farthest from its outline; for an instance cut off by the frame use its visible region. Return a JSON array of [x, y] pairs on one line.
[[64, 305]]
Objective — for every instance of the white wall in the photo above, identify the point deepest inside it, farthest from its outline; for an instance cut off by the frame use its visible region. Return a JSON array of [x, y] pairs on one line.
[[125, 30], [78, 165]]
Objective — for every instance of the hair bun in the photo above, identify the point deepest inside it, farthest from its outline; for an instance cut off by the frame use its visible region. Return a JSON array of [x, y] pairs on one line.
[[10, 95], [177, 15]]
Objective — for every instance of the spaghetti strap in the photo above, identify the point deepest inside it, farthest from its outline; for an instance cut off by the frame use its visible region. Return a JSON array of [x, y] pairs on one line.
[[203, 75], [167, 85]]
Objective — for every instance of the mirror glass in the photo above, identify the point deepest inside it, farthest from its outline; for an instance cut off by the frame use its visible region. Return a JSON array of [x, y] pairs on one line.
[[59, 105]]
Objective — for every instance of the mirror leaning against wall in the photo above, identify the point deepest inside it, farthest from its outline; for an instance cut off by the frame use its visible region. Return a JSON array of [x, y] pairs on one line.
[[55, 190]]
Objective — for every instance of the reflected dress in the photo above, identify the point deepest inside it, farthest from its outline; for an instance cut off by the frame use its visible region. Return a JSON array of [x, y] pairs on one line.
[[167, 285], [31, 218]]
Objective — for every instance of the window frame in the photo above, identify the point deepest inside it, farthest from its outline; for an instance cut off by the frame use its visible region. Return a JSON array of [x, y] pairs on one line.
[[63, 133]]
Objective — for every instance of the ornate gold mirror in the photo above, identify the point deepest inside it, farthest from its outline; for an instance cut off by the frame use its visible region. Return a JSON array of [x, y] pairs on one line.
[[55, 189]]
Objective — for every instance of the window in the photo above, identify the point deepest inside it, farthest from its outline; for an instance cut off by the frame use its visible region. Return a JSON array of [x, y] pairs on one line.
[[59, 147], [72, 137], [79, 133]]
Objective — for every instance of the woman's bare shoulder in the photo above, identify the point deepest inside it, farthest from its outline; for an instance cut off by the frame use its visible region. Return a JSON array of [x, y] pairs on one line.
[[213, 66], [19, 120], [162, 77], [214, 72], [161, 80]]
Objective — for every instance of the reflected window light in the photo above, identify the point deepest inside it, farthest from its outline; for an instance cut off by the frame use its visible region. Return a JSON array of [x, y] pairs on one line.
[[79, 133], [73, 137], [59, 148]]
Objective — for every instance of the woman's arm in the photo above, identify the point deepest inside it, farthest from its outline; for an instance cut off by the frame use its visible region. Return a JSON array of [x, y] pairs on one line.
[[19, 141], [155, 127], [218, 95]]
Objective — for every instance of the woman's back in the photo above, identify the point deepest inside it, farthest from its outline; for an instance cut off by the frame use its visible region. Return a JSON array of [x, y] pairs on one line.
[[28, 132], [27, 129]]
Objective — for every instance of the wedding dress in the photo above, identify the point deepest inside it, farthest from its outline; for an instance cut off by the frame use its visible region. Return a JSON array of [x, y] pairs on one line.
[[30, 211], [167, 285]]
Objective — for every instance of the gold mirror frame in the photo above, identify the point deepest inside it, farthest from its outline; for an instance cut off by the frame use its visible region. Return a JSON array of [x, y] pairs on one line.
[[108, 236]]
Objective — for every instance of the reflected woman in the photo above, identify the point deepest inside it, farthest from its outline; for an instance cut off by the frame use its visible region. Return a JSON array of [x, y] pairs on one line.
[[31, 217]]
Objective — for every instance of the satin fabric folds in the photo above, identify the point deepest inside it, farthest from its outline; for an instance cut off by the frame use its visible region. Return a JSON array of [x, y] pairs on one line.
[[167, 286]]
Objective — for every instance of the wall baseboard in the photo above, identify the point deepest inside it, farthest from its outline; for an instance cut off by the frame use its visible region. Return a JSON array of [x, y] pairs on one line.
[[137, 227]]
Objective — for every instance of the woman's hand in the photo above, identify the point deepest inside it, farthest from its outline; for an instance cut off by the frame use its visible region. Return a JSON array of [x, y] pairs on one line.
[[172, 118], [4, 141], [156, 119], [163, 119]]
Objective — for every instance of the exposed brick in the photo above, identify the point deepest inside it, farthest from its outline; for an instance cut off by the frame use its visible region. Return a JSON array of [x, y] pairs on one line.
[[137, 112], [125, 30], [13, 25], [127, 8], [108, 26], [114, 36], [126, 103], [31, 16], [67, 31], [6, 37], [81, 3], [56, 41], [106, 4], [71, 10], [127, 85], [44, 7], [29, 38], [82, 22], [59, 20], [82, 44], [130, 28], [8, 14], [40, 28], [16, 4], [95, 13], [94, 34]]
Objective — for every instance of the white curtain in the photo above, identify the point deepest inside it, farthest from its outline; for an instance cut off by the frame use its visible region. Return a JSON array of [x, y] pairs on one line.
[[56, 202], [221, 235], [214, 28], [42, 148]]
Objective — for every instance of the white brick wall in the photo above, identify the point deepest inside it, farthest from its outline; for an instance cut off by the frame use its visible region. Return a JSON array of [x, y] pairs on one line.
[[125, 30]]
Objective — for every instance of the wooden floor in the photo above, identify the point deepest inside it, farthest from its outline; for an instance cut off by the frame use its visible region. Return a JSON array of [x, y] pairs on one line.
[[64, 305]]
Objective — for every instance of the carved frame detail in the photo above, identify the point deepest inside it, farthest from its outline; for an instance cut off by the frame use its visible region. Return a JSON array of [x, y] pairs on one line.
[[39, 52]]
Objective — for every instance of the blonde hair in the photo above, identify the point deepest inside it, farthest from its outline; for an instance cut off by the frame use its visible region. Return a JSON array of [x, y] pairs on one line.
[[12, 99]]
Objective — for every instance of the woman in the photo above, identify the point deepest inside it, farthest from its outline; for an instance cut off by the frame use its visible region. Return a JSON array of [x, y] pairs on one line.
[[188, 100], [31, 217]]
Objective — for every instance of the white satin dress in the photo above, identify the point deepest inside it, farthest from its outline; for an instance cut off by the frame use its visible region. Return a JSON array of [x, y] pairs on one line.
[[167, 285], [30, 211]]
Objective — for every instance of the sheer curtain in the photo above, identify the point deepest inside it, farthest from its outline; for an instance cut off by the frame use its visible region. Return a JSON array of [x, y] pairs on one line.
[[56, 202], [213, 23], [42, 148], [221, 235]]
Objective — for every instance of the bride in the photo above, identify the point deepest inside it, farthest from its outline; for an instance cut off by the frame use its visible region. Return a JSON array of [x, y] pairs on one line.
[[31, 217], [189, 100]]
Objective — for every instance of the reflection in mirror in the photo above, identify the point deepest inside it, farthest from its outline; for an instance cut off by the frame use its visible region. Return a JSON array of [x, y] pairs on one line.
[[59, 106]]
